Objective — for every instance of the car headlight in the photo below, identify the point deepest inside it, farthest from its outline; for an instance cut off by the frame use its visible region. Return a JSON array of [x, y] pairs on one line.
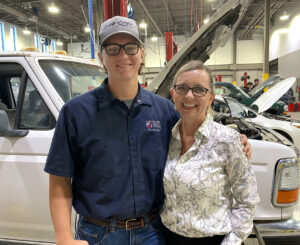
[[285, 108], [286, 182], [297, 125]]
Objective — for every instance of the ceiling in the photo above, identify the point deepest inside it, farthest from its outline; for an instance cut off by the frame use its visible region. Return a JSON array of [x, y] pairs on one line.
[[182, 17]]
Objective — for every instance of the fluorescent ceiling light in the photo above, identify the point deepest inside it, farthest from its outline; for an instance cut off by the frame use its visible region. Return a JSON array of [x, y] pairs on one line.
[[154, 39], [26, 31], [205, 21], [52, 8], [87, 28], [143, 25], [59, 43], [284, 16]]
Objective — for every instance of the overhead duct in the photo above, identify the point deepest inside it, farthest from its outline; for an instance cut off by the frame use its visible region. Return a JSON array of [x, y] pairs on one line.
[[26, 18]]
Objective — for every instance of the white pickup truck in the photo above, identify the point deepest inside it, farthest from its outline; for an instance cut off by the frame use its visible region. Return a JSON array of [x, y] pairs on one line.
[[34, 87]]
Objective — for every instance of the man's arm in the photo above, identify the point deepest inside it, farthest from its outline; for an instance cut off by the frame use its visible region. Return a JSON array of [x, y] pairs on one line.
[[60, 198], [247, 146]]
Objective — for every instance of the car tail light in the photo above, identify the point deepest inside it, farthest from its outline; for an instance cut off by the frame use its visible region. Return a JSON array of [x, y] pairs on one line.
[[286, 183]]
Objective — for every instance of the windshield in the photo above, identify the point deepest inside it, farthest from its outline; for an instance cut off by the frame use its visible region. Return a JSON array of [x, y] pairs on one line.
[[70, 78], [236, 109]]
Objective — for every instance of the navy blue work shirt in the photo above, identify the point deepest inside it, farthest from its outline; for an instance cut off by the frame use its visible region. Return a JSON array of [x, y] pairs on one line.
[[114, 156]]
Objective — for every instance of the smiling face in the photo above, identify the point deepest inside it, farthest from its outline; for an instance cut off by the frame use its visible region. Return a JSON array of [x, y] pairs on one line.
[[122, 66], [190, 106]]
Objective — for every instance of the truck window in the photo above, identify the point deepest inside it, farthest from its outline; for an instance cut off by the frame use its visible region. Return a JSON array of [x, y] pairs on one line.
[[70, 78], [33, 113], [15, 85]]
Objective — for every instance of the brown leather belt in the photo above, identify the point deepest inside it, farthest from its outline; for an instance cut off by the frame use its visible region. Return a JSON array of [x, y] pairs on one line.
[[129, 224]]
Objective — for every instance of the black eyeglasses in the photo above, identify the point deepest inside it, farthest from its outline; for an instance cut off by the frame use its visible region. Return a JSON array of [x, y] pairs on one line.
[[184, 89], [114, 49]]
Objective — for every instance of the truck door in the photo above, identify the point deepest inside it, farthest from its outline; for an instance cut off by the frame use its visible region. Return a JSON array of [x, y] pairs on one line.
[[24, 208]]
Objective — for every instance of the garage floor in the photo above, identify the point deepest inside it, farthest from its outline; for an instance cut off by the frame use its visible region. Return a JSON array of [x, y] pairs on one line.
[[295, 115]]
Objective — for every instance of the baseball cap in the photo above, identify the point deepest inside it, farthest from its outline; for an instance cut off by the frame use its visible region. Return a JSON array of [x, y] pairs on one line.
[[116, 25]]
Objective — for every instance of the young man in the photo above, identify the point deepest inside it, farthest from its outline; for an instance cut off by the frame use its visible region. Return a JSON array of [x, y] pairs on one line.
[[248, 87], [109, 151], [256, 82]]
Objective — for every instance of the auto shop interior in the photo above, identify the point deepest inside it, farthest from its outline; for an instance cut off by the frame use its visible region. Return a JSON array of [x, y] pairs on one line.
[[49, 55]]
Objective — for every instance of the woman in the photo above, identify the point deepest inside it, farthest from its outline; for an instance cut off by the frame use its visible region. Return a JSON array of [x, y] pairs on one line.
[[209, 184]]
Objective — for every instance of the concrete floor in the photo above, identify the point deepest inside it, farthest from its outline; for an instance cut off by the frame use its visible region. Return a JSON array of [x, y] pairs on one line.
[[295, 115]]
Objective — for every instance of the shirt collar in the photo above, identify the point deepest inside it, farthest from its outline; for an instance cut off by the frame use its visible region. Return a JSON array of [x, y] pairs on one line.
[[105, 98], [203, 132]]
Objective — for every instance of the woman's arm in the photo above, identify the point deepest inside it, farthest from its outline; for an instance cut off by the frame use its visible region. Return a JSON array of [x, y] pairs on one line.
[[244, 190]]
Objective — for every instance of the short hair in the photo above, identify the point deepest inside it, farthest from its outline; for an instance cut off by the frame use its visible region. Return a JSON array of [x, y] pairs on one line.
[[256, 80], [250, 83], [195, 65]]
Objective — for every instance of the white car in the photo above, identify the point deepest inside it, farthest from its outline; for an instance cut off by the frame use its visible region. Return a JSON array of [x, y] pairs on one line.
[[291, 130]]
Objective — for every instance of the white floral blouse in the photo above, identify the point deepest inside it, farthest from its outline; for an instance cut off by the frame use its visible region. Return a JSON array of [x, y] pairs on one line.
[[211, 189]]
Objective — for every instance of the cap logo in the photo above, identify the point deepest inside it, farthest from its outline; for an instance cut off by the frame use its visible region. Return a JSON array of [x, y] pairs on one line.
[[120, 23]]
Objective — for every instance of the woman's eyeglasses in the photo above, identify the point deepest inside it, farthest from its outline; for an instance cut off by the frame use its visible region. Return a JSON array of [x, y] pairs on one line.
[[114, 49], [184, 89]]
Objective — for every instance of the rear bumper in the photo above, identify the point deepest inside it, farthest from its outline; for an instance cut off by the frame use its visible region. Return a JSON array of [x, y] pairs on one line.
[[286, 232]]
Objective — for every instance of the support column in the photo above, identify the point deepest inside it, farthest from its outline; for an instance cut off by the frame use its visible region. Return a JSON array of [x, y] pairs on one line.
[[169, 45], [115, 7], [266, 40], [92, 43]]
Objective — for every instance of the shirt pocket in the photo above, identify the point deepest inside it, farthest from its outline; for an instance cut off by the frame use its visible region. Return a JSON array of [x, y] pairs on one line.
[[108, 161], [153, 150]]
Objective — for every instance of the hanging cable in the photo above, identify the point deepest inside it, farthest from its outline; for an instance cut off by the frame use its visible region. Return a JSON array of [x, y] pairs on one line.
[[185, 27], [191, 18], [201, 14]]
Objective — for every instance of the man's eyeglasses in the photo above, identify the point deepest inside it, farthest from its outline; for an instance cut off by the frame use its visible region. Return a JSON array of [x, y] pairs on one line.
[[114, 49], [184, 89]]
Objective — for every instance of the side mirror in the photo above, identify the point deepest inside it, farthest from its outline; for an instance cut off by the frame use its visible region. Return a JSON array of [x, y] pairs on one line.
[[254, 107], [251, 114], [6, 130]]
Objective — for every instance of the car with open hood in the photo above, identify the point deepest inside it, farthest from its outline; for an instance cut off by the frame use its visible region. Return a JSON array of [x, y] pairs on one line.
[[229, 89], [288, 129]]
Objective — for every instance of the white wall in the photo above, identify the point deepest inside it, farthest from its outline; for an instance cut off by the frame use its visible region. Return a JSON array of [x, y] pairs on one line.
[[249, 51], [81, 50], [222, 55], [285, 35]]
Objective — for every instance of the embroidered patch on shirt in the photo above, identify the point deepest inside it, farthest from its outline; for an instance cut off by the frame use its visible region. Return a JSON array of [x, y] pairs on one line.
[[153, 125]]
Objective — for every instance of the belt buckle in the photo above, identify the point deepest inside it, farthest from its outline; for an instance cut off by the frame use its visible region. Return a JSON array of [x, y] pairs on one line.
[[126, 223]]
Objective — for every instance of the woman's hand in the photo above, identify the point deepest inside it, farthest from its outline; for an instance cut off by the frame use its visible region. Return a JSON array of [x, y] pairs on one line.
[[247, 146]]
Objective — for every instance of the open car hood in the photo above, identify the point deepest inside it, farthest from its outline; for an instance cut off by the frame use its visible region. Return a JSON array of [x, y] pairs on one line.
[[203, 43], [267, 99], [262, 85]]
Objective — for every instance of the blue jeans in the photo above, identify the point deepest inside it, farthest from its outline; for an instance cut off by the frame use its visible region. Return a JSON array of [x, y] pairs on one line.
[[150, 234]]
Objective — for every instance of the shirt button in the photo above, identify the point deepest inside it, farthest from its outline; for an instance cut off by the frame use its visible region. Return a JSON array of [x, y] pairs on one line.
[[134, 166], [131, 141]]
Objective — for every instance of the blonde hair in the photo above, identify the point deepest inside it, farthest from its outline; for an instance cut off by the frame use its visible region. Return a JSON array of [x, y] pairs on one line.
[[195, 65]]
